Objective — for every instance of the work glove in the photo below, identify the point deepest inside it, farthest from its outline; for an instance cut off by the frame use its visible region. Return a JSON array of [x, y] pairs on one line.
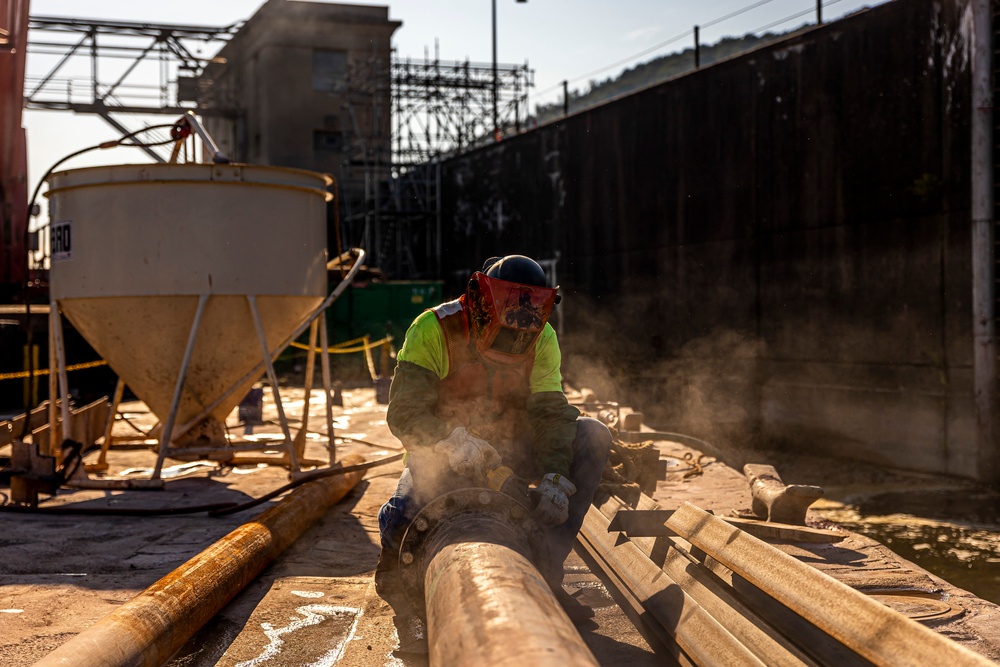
[[553, 499], [468, 455]]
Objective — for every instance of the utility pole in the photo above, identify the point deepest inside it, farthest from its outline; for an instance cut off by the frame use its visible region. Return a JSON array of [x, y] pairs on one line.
[[819, 12], [496, 81], [697, 47], [983, 261], [565, 97], [496, 77]]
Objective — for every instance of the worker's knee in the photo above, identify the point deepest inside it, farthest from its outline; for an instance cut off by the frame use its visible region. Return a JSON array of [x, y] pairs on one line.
[[393, 519], [593, 439]]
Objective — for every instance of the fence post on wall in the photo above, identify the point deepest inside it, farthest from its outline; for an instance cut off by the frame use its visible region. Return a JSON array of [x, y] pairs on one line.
[[565, 98], [697, 47], [983, 266]]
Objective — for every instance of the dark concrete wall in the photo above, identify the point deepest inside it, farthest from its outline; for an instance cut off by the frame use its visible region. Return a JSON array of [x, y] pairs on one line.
[[772, 250]]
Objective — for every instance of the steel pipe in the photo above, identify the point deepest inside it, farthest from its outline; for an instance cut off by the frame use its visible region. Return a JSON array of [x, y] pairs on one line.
[[471, 552], [878, 634], [148, 629]]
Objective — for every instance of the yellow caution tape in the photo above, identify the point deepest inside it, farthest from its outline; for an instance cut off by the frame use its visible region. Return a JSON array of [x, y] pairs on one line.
[[45, 371], [340, 349]]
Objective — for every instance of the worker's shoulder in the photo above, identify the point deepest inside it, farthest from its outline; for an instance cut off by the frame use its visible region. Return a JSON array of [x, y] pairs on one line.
[[445, 309]]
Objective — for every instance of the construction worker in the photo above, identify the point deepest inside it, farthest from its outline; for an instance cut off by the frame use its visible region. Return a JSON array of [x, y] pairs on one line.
[[477, 383]]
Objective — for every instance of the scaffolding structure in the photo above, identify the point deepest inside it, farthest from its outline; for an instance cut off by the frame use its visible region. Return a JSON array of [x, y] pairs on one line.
[[438, 109], [106, 68]]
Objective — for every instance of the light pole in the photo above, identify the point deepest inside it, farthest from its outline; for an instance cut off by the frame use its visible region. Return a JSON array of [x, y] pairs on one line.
[[496, 77]]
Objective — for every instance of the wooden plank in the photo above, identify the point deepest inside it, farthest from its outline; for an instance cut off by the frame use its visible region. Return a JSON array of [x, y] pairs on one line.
[[11, 429], [877, 633]]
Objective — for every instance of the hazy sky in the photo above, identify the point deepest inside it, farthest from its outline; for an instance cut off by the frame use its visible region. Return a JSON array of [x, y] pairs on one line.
[[560, 39]]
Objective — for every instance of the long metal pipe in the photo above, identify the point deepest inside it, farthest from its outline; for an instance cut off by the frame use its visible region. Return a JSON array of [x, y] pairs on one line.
[[148, 629], [880, 635], [983, 266], [488, 605]]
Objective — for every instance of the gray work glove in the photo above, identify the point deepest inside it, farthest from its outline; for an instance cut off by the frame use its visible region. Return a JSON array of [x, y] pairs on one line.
[[468, 455], [553, 499]]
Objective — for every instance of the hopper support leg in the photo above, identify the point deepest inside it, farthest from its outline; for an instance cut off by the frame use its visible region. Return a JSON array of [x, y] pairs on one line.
[[331, 446], [293, 459], [300, 437], [168, 426]]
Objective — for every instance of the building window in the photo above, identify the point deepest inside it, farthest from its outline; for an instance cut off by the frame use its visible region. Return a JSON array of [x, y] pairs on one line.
[[325, 141], [329, 71]]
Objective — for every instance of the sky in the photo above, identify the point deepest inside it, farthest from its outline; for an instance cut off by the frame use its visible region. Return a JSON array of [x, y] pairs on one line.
[[575, 40]]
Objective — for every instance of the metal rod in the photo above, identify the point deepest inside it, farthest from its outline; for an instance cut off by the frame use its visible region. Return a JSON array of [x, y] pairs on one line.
[[875, 632], [53, 384], [272, 378], [217, 155], [983, 263], [150, 627], [331, 445], [300, 437], [63, 386], [116, 399], [168, 426]]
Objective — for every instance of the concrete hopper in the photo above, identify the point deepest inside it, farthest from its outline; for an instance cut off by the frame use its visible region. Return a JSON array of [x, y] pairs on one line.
[[175, 273]]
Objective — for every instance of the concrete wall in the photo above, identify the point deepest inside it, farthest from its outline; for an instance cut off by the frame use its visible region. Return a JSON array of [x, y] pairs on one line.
[[285, 116], [772, 250]]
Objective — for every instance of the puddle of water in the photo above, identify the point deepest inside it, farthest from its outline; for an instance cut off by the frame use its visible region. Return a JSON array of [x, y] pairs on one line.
[[953, 534]]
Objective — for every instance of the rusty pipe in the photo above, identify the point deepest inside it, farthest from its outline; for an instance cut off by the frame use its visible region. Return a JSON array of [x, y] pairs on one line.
[[150, 627], [469, 556]]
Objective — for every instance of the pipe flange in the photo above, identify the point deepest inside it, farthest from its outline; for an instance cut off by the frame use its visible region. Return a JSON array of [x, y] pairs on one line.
[[460, 516]]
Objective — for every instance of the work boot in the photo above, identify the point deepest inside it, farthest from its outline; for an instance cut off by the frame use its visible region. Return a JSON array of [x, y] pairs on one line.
[[388, 584], [576, 610]]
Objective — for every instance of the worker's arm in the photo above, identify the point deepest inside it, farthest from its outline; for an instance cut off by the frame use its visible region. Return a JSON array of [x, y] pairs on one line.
[[421, 363], [550, 414]]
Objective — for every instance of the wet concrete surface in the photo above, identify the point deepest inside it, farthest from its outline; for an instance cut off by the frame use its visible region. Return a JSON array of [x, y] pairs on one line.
[[950, 527], [316, 603]]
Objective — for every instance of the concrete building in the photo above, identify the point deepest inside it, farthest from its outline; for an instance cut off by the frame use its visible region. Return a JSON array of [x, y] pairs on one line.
[[308, 86]]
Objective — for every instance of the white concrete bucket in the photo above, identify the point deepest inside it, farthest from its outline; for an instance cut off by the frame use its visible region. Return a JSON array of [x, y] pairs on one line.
[[175, 272]]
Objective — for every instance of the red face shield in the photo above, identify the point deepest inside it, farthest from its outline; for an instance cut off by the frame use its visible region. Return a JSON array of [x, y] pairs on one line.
[[508, 317]]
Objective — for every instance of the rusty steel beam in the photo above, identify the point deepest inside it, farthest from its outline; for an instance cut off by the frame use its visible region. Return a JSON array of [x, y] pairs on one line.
[[878, 634], [468, 561], [150, 627], [682, 624], [713, 596]]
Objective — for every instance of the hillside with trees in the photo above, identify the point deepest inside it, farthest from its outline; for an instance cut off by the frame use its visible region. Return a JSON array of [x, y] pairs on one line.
[[653, 72]]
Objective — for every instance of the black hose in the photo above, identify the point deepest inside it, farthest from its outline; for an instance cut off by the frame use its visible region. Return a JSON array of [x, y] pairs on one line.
[[214, 510], [319, 474]]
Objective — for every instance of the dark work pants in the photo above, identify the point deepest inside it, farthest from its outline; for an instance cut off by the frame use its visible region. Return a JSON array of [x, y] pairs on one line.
[[427, 476]]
